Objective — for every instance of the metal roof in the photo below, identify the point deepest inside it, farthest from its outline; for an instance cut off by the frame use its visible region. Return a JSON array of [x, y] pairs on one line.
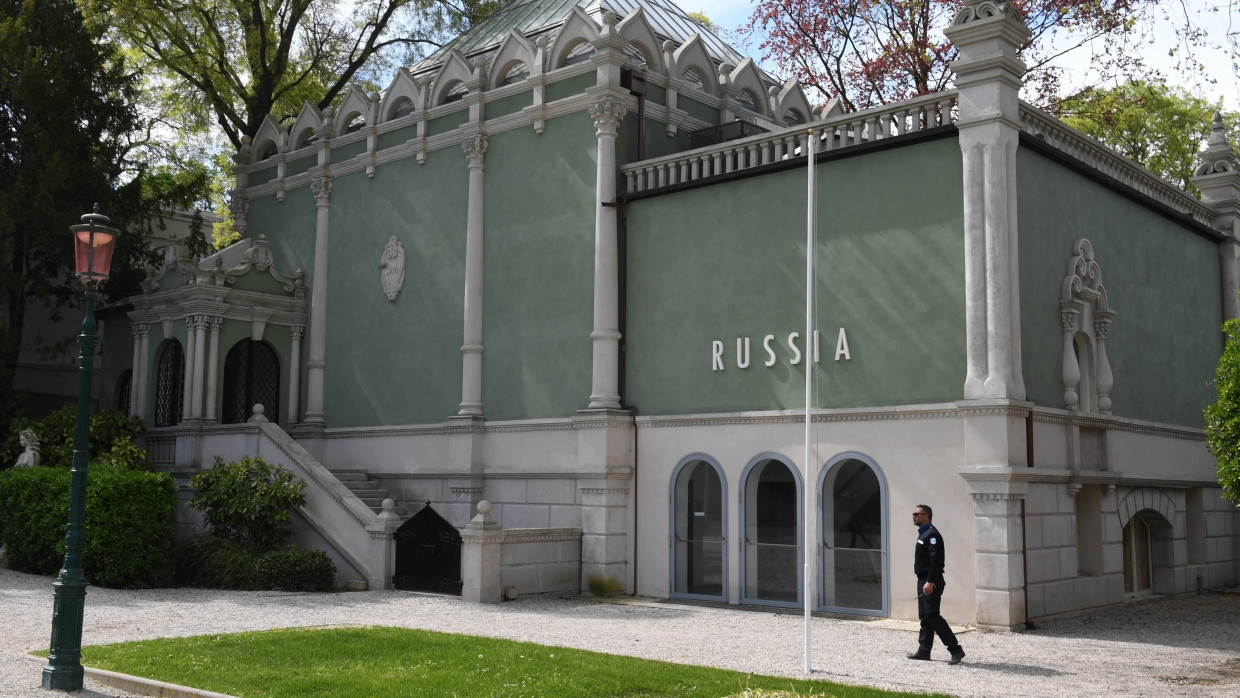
[[535, 17]]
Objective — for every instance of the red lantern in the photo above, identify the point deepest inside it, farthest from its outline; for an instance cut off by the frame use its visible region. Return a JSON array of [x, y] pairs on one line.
[[93, 242]]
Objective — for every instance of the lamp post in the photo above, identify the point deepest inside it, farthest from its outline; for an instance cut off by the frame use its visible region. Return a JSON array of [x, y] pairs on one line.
[[93, 242]]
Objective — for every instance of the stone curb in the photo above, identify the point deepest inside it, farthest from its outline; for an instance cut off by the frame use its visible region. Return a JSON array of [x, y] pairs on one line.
[[142, 686]]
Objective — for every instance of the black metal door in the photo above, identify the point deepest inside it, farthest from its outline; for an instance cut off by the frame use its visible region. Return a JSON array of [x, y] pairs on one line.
[[428, 554]]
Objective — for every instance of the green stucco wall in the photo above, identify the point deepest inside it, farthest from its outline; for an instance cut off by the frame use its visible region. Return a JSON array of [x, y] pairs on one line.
[[396, 362], [443, 124], [696, 109], [1160, 277], [397, 137], [570, 87], [539, 252], [509, 105], [728, 260]]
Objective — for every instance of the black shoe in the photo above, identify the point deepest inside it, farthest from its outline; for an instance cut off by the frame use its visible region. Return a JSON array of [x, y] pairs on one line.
[[957, 655], [923, 655]]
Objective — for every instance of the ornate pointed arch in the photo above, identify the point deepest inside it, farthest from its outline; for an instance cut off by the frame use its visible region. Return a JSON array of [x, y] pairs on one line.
[[269, 134], [356, 103], [513, 50], [404, 87], [746, 78], [791, 99], [692, 56], [636, 30], [455, 70], [308, 122], [578, 27]]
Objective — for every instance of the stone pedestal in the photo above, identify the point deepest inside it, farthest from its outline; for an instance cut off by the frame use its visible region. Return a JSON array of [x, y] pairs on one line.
[[381, 557], [481, 547]]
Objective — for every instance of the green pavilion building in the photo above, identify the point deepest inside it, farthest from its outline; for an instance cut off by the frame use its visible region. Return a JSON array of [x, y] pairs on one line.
[[532, 320]]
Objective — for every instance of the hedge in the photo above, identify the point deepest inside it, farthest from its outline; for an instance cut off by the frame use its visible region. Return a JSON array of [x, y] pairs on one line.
[[296, 570], [128, 522]]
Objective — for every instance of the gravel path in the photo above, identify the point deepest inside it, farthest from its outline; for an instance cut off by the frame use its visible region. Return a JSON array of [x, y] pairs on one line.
[[1188, 646]]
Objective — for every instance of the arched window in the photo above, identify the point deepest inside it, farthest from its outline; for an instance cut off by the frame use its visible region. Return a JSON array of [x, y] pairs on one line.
[[699, 558], [853, 540], [169, 383], [771, 526], [251, 376], [403, 107], [124, 385]]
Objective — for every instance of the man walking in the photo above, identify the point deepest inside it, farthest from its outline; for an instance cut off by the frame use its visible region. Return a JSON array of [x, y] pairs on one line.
[[928, 564]]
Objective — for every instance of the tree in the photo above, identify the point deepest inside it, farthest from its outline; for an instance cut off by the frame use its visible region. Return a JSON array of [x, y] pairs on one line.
[[232, 63], [870, 52], [67, 121], [1150, 122], [1223, 417]]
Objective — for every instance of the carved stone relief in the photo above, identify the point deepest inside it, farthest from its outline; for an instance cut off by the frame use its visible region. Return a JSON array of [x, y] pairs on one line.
[[392, 268]]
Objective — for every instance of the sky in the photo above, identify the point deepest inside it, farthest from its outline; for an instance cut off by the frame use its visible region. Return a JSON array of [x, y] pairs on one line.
[[731, 14]]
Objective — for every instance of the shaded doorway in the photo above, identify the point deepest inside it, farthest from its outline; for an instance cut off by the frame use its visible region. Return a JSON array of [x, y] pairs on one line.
[[428, 554], [853, 538], [699, 558], [771, 529]]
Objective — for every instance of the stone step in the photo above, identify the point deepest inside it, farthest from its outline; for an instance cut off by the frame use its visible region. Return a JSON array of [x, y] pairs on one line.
[[365, 489]]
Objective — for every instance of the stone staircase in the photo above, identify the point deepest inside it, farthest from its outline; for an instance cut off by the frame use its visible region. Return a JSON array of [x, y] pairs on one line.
[[370, 492]]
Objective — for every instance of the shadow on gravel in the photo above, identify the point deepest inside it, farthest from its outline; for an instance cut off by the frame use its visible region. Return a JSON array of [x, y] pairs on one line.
[[1207, 621], [1018, 669]]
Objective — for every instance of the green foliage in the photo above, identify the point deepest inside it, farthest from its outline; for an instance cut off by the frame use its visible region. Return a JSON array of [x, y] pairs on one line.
[[296, 570], [128, 522], [112, 435], [248, 501], [603, 586], [381, 662], [1223, 417], [211, 561], [1155, 124]]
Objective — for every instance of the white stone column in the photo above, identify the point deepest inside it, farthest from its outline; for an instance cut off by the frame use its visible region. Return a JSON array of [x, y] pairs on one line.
[[137, 330], [471, 349], [142, 377], [317, 363], [1218, 179], [200, 347], [187, 385], [999, 537], [294, 372], [213, 359], [988, 80], [605, 385]]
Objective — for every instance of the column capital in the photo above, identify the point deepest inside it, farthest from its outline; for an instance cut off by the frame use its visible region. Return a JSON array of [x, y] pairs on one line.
[[297, 331], [475, 148], [140, 330], [215, 322], [322, 189], [607, 114]]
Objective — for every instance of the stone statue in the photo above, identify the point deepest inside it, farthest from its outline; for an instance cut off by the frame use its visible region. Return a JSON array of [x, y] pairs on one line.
[[29, 441]]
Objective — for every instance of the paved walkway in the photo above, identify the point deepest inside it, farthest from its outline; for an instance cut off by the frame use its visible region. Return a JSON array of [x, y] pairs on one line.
[[1188, 646]]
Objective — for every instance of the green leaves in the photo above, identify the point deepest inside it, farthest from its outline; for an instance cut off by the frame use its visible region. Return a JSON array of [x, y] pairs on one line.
[[248, 501], [1223, 417]]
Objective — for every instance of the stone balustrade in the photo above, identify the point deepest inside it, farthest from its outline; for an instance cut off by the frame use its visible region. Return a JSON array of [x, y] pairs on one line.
[[834, 132]]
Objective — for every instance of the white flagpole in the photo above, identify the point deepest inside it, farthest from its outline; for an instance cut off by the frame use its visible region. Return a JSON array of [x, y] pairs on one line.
[[810, 216]]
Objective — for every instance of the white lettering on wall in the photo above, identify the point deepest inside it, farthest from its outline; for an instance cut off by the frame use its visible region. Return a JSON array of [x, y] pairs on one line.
[[772, 347], [841, 346], [742, 352]]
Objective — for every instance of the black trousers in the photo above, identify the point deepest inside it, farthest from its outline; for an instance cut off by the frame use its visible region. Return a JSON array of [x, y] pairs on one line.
[[931, 621]]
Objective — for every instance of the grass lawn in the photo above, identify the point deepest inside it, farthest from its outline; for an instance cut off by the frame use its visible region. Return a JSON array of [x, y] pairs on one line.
[[381, 661]]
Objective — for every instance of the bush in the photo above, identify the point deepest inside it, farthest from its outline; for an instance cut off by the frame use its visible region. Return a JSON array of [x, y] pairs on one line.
[[211, 561], [128, 522], [248, 501], [296, 570], [1223, 417], [112, 436]]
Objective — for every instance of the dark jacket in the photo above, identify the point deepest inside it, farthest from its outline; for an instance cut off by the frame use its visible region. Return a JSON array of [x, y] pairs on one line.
[[928, 557]]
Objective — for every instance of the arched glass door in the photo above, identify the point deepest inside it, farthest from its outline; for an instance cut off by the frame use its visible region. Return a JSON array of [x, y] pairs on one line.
[[169, 384], [772, 534], [698, 516], [853, 540]]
